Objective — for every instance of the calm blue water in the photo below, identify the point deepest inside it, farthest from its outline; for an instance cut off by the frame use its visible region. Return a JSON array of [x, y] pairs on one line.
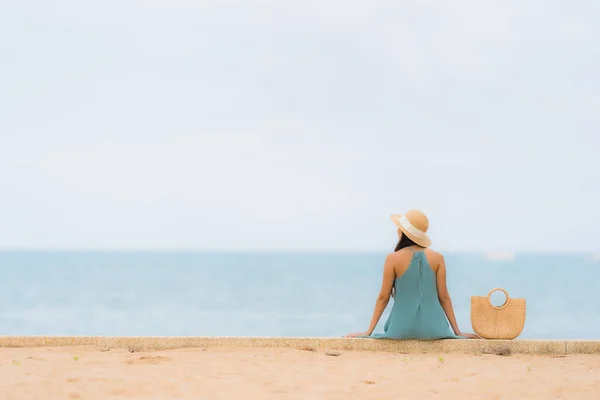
[[70, 293]]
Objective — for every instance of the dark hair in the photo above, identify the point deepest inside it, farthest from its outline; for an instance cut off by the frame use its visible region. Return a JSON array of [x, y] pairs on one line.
[[404, 242]]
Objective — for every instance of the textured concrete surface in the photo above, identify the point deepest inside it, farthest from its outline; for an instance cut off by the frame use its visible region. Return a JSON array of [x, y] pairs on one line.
[[541, 347], [583, 347]]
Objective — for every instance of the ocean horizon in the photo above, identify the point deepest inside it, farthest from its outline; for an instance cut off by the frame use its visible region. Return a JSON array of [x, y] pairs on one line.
[[269, 293]]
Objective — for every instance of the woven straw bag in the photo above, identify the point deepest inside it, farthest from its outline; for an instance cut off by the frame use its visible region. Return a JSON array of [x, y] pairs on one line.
[[503, 322]]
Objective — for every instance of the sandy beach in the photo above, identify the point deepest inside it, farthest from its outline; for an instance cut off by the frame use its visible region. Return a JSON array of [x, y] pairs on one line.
[[284, 373]]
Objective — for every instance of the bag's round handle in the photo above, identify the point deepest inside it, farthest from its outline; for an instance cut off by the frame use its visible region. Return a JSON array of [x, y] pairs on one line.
[[490, 299]]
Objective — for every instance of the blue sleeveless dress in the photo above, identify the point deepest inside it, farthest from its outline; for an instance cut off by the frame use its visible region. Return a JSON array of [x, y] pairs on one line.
[[417, 312]]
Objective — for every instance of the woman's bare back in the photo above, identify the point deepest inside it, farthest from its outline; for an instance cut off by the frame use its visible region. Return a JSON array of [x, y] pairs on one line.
[[403, 258]]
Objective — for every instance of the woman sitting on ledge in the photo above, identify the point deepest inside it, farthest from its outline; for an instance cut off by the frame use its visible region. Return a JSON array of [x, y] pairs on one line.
[[415, 276]]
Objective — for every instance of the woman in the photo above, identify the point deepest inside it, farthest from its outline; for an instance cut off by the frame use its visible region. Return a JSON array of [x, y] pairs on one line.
[[416, 277]]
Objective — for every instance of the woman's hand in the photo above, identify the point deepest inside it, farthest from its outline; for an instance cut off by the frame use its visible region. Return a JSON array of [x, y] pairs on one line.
[[358, 334], [469, 335]]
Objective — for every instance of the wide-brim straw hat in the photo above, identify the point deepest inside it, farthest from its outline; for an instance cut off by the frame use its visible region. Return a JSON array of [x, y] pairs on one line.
[[413, 224]]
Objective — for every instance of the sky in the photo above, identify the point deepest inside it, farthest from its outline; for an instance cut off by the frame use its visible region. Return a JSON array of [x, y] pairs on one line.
[[299, 125]]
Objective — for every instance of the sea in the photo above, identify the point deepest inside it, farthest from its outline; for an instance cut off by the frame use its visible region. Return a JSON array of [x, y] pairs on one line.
[[271, 294]]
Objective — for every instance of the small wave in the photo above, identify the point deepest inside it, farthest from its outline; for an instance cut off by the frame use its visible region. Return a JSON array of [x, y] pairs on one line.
[[500, 255]]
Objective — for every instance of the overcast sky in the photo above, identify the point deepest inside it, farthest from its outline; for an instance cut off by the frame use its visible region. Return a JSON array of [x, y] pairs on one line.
[[223, 124]]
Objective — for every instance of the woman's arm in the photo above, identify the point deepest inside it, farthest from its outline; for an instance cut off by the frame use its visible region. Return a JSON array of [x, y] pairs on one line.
[[444, 297], [384, 296]]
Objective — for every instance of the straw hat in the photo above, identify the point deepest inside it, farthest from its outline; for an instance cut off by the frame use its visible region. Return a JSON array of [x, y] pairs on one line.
[[413, 224]]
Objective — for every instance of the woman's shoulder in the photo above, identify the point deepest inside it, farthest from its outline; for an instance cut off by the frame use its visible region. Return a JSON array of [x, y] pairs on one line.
[[434, 253], [435, 257], [401, 252], [399, 255]]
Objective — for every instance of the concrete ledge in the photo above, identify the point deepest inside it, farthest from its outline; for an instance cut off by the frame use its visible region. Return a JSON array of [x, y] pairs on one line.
[[583, 347], [540, 347]]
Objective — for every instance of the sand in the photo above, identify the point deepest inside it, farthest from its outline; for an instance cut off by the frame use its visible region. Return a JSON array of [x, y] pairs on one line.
[[283, 373]]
